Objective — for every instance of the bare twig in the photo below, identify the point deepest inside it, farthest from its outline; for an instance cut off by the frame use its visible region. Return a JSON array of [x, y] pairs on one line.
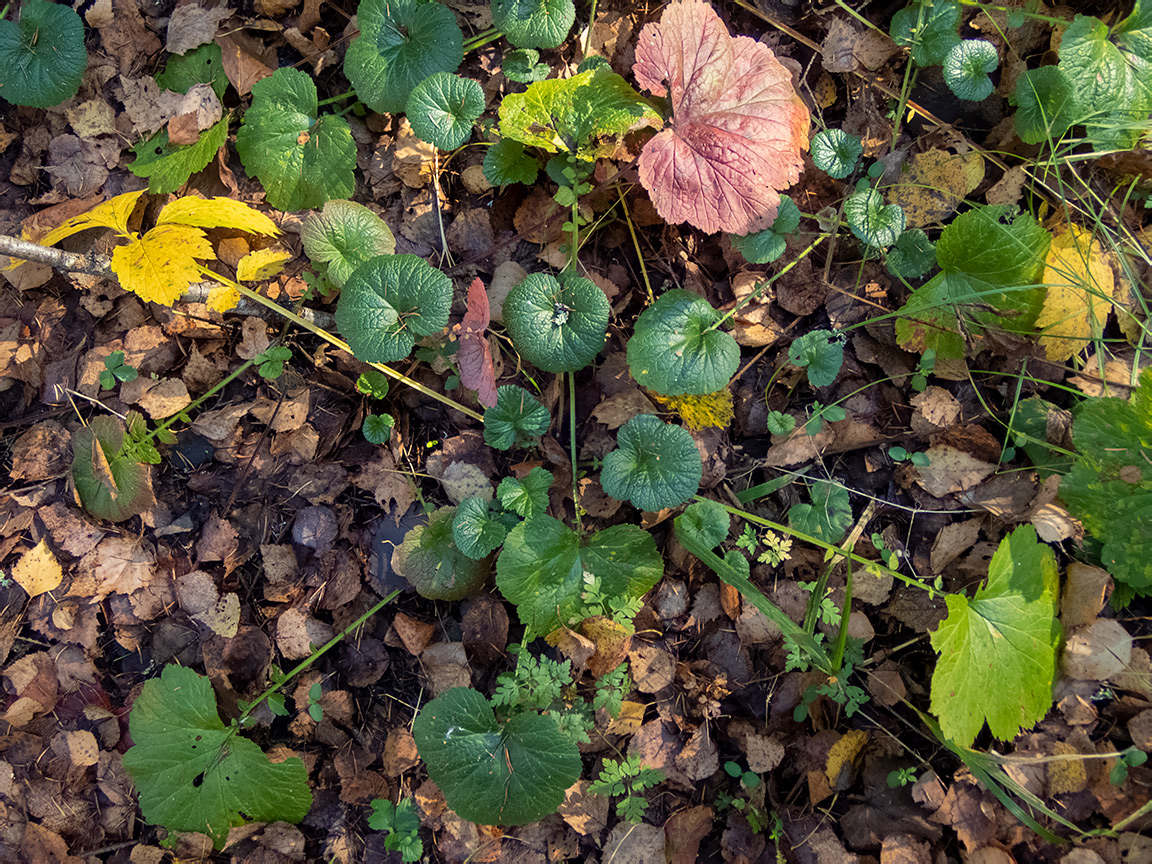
[[58, 259]]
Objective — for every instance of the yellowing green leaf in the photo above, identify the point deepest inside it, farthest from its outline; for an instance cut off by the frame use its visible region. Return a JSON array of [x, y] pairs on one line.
[[222, 298], [1080, 292], [38, 571], [111, 214], [161, 265], [262, 264], [935, 184], [217, 213]]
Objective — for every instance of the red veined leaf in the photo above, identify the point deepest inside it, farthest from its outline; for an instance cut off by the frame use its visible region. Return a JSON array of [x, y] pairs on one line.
[[737, 128], [475, 356]]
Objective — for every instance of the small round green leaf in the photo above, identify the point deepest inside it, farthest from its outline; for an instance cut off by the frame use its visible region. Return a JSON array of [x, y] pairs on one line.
[[506, 162], [835, 152], [110, 485], [1046, 105], [492, 774], [655, 464], [873, 221], [516, 420], [912, 256], [443, 107], [401, 43], [377, 428], [430, 560], [343, 236], [674, 349], [42, 57], [476, 530], [557, 328], [766, 246], [780, 423], [821, 352], [705, 521], [534, 23], [389, 302], [523, 66], [966, 69]]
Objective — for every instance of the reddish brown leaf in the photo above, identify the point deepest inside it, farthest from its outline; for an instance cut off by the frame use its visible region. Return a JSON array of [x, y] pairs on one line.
[[474, 356]]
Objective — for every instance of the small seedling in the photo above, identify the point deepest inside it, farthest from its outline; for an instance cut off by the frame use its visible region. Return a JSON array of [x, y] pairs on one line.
[[315, 710], [270, 363], [899, 454], [901, 777], [1130, 758], [402, 826], [627, 778], [115, 369], [377, 428]]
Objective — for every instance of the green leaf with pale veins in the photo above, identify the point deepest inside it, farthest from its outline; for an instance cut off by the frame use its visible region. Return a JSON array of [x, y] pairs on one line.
[[929, 28], [302, 159], [829, 515], [1093, 65], [656, 464], [168, 166], [494, 774], [557, 327], [42, 56], [193, 773], [526, 497], [821, 352], [534, 23], [343, 236], [676, 348], [705, 521], [442, 109], [476, 529], [998, 650]]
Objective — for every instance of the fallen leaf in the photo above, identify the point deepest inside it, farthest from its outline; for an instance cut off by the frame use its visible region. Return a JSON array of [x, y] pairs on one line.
[[414, 635], [683, 832], [637, 844], [621, 407], [951, 470], [1080, 290], [192, 25], [38, 571], [474, 355], [1098, 651], [200, 598], [934, 184]]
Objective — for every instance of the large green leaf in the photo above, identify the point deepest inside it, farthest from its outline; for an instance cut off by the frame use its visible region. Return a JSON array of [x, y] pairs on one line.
[[676, 349], [542, 568], [401, 43], [443, 107], [516, 420], [168, 166], [998, 650], [1093, 65], [534, 23], [42, 57], [557, 327], [110, 485], [388, 303], [302, 159], [193, 773], [492, 774], [343, 236], [429, 559], [656, 464], [994, 244], [203, 65]]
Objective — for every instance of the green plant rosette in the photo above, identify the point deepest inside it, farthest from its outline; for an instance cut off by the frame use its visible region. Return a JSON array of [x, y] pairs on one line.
[[676, 348], [655, 464], [429, 559], [42, 56], [557, 327]]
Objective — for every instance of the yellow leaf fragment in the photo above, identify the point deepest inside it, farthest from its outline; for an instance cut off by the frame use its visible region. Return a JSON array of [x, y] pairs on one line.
[[38, 571], [935, 184], [701, 411], [217, 213], [262, 264], [111, 214], [161, 265], [843, 755], [223, 298], [1080, 292]]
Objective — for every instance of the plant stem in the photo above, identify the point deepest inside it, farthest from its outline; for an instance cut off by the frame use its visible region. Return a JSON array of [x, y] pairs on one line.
[[636, 245], [572, 449], [763, 285], [587, 40], [333, 99], [481, 39], [200, 400]]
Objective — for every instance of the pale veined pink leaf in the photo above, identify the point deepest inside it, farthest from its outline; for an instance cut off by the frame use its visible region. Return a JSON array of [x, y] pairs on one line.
[[737, 130], [475, 356]]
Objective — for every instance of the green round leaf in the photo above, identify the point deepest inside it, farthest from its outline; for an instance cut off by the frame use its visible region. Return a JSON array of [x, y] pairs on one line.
[[655, 464], [966, 69], [929, 27], [203, 65], [780, 423], [829, 515], [430, 560], [343, 236], [534, 23], [705, 521], [476, 530], [675, 351], [489, 774], [42, 57], [401, 43], [377, 428], [912, 256], [873, 221], [388, 303], [523, 66], [302, 159], [835, 152], [443, 107], [766, 246], [557, 328], [821, 352], [517, 419], [526, 497], [168, 166], [542, 568], [1046, 105], [111, 486], [506, 162]]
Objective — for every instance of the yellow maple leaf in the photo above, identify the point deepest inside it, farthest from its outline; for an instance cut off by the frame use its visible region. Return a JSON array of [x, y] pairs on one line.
[[262, 264], [1080, 293], [701, 411], [161, 265], [222, 298], [217, 213], [38, 571]]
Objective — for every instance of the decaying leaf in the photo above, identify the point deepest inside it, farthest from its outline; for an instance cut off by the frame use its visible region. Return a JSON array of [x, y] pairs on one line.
[[1080, 290], [475, 355]]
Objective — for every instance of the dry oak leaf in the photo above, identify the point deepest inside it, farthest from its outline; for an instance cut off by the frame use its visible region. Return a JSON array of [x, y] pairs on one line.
[[1080, 291], [737, 128]]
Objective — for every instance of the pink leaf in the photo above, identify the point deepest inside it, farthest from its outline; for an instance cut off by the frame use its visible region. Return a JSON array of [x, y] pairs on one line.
[[474, 356], [737, 129]]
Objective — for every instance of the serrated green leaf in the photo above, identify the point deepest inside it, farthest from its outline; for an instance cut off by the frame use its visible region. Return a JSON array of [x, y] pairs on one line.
[[929, 27], [534, 23], [377, 428], [506, 162], [836, 153], [203, 65], [966, 69], [42, 56], [193, 773], [766, 246], [523, 66], [390, 301], [401, 43], [168, 166], [1046, 105], [912, 256], [1093, 66], [828, 517], [821, 352], [675, 349], [655, 464], [110, 485], [557, 327], [442, 109], [526, 497], [430, 560], [779, 423], [516, 420], [302, 159], [476, 530], [873, 221], [542, 568], [706, 521], [1006, 634], [492, 774], [343, 236]]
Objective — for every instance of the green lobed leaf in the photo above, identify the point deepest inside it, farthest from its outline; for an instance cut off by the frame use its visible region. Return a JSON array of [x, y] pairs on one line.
[[401, 43], [476, 530], [1006, 634], [377, 428], [390, 301], [534, 23], [828, 517], [542, 568], [966, 69], [912, 256], [42, 56], [431, 562], [766, 246], [526, 497], [192, 773], [302, 159], [779, 423], [929, 27], [442, 109], [836, 153], [343, 236], [524, 67], [655, 464], [111, 486], [168, 166], [506, 162], [516, 420], [821, 352], [873, 221], [557, 327], [1046, 105], [492, 774], [675, 349], [203, 65], [707, 522]]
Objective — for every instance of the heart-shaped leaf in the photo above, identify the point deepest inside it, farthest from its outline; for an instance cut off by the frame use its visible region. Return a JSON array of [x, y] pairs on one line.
[[543, 564], [343, 236], [401, 43], [203, 65], [430, 560], [967, 66], [873, 221], [557, 328], [476, 530], [820, 352], [443, 107], [706, 522], [523, 66], [517, 419], [526, 497], [655, 464], [492, 774], [388, 303], [766, 246], [42, 57], [836, 153], [534, 23], [110, 485], [675, 350]]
